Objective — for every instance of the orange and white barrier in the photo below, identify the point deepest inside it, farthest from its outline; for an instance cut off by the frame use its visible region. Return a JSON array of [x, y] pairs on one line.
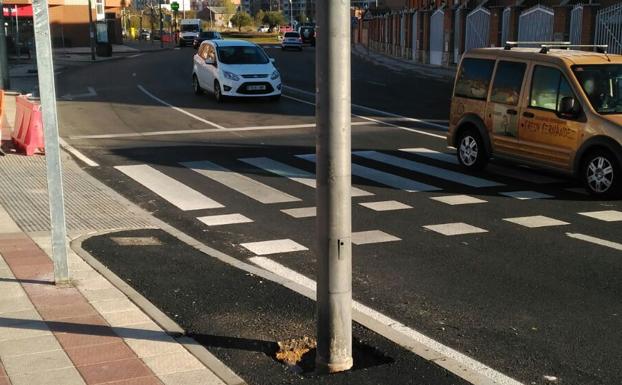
[[27, 133]]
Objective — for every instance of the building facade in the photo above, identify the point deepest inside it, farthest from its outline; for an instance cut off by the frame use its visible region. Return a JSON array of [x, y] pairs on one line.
[[69, 21], [439, 32]]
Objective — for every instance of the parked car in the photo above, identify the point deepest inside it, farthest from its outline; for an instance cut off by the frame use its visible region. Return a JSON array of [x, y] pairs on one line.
[[307, 33], [263, 28], [235, 68], [144, 35], [291, 40], [205, 35], [556, 108]]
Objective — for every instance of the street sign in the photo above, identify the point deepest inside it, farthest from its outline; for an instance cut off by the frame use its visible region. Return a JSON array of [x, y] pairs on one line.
[[175, 6]]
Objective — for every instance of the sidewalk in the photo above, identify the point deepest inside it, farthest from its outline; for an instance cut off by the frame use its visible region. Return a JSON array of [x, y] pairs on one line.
[[401, 65], [91, 332]]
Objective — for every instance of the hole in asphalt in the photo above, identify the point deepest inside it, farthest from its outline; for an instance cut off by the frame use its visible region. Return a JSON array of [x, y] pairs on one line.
[[298, 355]]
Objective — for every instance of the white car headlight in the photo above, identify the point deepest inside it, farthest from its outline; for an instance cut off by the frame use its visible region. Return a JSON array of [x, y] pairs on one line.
[[275, 75], [231, 76]]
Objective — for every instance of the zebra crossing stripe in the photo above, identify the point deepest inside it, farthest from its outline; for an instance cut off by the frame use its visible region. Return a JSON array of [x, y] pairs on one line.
[[293, 173], [240, 183], [496, 169], [422, 168], [174, 192], [596, 241], [382, 177]]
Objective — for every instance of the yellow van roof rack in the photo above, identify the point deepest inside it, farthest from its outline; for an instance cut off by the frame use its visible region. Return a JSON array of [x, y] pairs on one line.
[[512, 44], [600, 48]]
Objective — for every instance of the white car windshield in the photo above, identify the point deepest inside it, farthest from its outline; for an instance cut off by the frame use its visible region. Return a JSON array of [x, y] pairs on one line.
[[242, 55], [602, 84]]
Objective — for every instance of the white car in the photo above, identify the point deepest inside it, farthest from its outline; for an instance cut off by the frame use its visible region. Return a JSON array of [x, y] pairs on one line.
[[235, 68]]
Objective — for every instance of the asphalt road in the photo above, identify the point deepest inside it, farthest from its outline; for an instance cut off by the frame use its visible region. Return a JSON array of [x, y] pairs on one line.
[[529, 300]]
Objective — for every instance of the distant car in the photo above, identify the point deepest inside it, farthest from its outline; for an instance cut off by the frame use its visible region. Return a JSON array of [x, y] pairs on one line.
[[307, 33], [144, 35], [263, 28], [236, 68], [291, 40], [206, 35], [285, 28]]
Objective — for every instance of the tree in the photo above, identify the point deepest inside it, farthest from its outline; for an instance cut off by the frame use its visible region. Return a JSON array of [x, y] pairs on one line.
[[274, 19], [241, 19], [229, 6], [260, 16]]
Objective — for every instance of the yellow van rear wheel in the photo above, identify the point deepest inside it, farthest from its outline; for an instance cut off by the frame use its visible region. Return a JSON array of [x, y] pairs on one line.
[[472, 152], [601, 174]]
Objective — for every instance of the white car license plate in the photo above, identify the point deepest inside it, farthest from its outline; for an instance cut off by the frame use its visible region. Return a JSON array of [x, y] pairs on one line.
[[256, 88]]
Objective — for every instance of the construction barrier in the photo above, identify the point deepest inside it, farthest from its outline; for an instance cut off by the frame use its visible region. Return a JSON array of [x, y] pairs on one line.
[[27, 133]]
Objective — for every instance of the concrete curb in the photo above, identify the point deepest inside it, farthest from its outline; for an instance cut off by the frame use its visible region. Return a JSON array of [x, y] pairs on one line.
[[169, 326]]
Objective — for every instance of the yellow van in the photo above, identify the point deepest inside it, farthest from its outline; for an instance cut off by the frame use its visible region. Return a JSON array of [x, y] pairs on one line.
[[548, 107]]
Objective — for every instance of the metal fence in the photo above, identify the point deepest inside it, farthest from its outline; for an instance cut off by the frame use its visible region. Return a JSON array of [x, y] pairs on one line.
[[609, 28], [536, 24], [505, 25], [576, 21], [457, 33], [436, 37], [477, 29], [415, 40]]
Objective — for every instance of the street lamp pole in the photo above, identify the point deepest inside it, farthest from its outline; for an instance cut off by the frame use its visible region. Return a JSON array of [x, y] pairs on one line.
[[161, 26], [91, 31], [291, 14], [334, 174]]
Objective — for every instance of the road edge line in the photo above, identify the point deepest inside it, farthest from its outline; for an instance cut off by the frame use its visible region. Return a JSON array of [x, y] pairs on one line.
[[374, 110], [421, 345], [200, 119], [169, 326]]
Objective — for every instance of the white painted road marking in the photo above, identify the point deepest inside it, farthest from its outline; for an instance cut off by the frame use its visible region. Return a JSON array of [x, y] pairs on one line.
[[605, 215], [273, 247], [459, 364], [376, 111], [240, 183], [496, 169], [90, 94], [383, 122], [422, 168], [225, 219], [455, 229], [596, 241], [193, 116], [385, 205], [458, 200], [525, 195], [293, 173], [372, 236], [536, 221], [202, 131], [168, 188], [382, 177], [77, 153], [301, 212]]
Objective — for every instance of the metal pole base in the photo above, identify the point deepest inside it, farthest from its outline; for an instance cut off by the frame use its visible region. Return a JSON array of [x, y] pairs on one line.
[[329, 368]]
